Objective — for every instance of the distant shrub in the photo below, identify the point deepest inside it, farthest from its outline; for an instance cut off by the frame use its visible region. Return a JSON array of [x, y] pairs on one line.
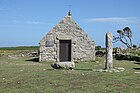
[[98, 48], [134, 46], [127, 57], [99, 53], [120, 57]]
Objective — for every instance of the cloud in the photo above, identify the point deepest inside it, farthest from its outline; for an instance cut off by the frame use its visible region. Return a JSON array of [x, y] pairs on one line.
[[119, 20], [15, 21], [36, 22], [30, 22]]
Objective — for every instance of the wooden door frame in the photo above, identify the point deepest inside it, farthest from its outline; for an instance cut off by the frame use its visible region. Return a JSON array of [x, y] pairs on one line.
[[69, 53]]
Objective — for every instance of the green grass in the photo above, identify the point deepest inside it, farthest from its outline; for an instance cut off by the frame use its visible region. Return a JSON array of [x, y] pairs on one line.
[[19, 75], [15, 50], [20, 48]]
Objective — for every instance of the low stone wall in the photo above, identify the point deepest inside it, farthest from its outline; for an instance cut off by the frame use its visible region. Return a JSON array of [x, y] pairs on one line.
[[25, 53]]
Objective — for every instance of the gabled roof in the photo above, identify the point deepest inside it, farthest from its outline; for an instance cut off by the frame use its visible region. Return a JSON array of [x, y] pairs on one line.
[[67, 23]]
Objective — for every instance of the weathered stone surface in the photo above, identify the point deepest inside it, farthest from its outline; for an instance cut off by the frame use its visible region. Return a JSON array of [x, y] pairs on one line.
[[82, 47], [109, 50], [67, 64], [63, 65]]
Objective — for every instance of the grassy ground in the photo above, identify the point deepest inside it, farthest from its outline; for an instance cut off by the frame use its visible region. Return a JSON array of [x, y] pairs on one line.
[[24, 75], [4, 51], [20, 48]]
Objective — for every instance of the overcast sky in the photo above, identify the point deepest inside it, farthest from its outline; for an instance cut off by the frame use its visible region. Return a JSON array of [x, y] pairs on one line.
[[26, 22]]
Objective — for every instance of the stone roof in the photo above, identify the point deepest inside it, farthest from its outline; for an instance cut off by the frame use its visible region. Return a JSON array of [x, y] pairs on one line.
[[67, 24], [82, 46]]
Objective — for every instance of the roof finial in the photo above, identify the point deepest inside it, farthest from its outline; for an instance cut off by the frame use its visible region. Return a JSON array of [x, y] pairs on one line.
[[69, 13]]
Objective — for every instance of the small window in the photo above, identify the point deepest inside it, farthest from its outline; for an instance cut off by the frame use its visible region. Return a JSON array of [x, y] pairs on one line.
[[49, 43]]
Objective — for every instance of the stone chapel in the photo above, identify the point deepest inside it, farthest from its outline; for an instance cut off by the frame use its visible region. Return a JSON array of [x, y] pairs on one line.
[[67, 42]]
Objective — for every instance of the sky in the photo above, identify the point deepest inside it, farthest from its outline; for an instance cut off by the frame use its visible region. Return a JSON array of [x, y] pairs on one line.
[[26, 22]]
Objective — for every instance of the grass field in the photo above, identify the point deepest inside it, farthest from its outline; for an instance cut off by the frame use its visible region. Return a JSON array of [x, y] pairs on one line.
[[23, 75], [4, 51]]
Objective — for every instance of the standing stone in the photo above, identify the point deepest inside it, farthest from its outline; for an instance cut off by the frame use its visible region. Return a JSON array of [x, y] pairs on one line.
[[109, 58]]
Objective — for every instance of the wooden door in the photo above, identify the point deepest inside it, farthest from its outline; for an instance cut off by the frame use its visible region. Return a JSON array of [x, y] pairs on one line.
[[65, 50]]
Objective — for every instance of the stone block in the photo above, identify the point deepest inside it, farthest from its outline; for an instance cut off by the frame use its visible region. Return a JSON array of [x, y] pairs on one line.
[[64, 65]]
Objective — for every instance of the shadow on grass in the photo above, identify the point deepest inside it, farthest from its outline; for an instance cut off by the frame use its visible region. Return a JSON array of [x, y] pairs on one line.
[[84, 69], [136, 68], [33, 60], [50, 69]]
